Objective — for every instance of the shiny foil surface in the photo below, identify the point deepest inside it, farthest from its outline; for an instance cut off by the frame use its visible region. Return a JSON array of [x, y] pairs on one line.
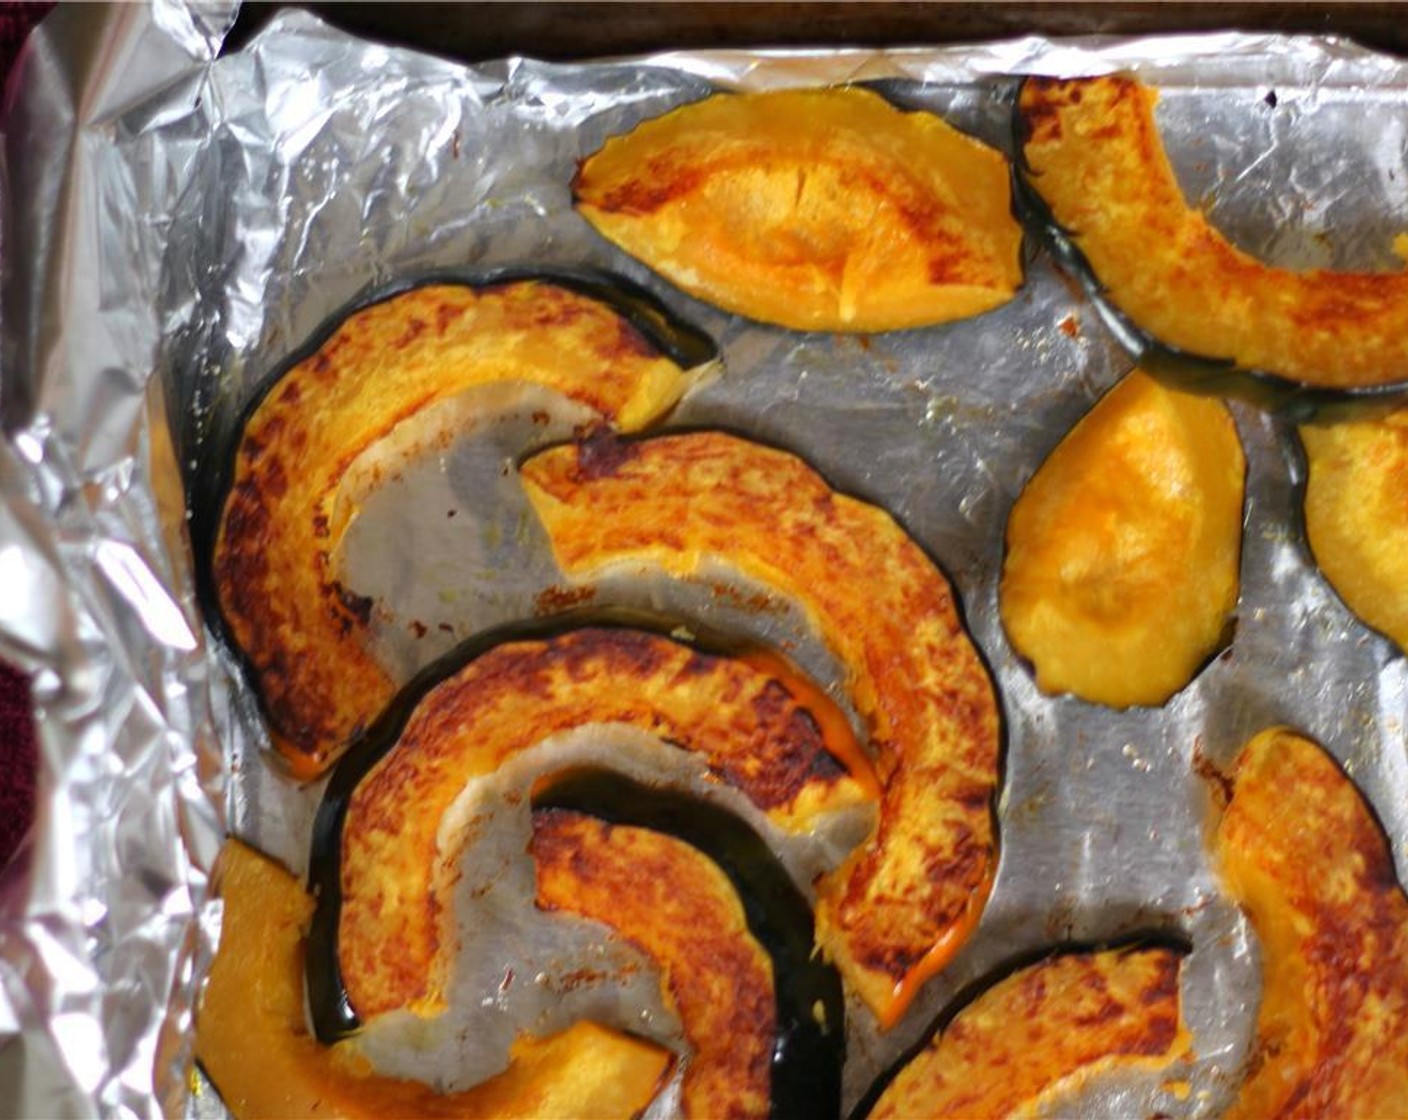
[[177, 224]]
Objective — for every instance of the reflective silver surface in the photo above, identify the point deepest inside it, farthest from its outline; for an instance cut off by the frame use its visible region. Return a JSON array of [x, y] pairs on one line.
[[179, 225]]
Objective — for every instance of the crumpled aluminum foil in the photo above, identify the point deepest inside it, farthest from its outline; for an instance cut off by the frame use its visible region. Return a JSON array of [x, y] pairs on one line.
[[176, 224]]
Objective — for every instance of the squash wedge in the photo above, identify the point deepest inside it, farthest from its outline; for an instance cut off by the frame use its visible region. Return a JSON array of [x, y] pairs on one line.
[[397, 868], [1121, 573], [1356, 515], [681, 910], [809, 1048], [1184, 299], [1302, 853], [301, 632], [253, 1040], [1043, 1033], [819, 209], [900, 906]]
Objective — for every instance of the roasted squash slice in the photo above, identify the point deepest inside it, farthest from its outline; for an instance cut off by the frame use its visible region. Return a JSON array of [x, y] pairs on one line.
[[810, 1045], [821, 209], [398, 867], [1304, 856], [302, 633], [1043, 1033], [253, 1040], [682, 912], [1356, 515], [1171, 285], [903, 903], [1121, 571]]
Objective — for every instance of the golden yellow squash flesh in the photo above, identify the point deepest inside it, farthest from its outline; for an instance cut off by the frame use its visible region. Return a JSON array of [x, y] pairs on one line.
[[746, 723], [1121, 573], [303, 633], [1356, 515], [678, 907], [901, 905], [253, 1039], [1042, 1033], [1302, 853], [1092, 152], [814, 209]]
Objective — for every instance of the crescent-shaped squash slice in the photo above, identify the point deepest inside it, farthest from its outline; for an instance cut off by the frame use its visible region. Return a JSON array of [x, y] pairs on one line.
[[897, 910], [1042, 1033], [674, 904], [1092, 155], [397, 866], [1356, 515], [1302, 853], [1121, 571], [253, 1040], [301, 632], [821, 209]]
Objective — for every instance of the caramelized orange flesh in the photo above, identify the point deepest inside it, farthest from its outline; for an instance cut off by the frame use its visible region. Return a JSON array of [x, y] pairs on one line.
[[397, 870], [1356, 515], [303, 633], [1121, 572], [1095, 157], [1302, 853], [1043, 1033], [674, 904], [921, 880], [815, 209], [253, 1040]]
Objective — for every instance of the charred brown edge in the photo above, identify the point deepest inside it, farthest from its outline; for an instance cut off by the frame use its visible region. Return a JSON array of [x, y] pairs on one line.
[[1180, 369], [1167, 940], [685, 345], [1229, 631], [893, 91]]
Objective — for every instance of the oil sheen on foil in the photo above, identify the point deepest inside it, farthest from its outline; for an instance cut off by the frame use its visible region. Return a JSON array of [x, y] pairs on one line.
[[213, 214]]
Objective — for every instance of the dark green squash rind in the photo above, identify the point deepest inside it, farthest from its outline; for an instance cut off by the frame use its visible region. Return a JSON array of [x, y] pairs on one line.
[[209, 490], [1195, 373]]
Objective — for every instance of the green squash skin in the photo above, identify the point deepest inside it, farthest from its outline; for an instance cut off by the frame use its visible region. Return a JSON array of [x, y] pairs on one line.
[[808, 1055], [209, 489], [1179, 369]]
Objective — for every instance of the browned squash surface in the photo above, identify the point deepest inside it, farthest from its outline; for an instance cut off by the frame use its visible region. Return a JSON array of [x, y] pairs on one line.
[[1044, 1032], [1356, 515], [253, 1039], [1095, 157], [1302, 853], [1121, 572], [681, 910], [746, 723], [302, 632], [820, 209], [898, 909]]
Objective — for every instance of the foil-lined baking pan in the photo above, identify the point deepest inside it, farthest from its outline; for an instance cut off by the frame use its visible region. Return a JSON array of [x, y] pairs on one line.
[[178, 223]]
